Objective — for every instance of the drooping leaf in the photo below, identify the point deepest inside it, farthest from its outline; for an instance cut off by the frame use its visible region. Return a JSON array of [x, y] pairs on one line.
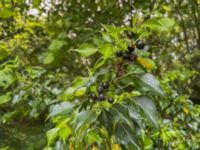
[[148, 82], [126, 136], [149, 108], [121, 114]]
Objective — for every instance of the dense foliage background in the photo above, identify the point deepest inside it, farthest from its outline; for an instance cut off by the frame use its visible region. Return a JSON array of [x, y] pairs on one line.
[[55, 53]]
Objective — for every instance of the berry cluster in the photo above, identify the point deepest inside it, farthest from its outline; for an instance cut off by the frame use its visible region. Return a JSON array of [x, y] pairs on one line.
[[101, 93], [129, 55]]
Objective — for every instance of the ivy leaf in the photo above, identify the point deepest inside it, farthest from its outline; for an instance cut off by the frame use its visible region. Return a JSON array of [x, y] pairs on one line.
[[86, 50], [149, 108], [5, 13]]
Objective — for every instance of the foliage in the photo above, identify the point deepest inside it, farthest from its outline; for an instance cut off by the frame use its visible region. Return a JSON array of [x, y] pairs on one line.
[[54, 54]]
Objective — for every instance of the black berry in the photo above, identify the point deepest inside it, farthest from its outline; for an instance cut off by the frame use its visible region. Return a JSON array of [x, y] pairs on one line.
[[131, 48], [140, 44], [111, 100], [125, 55], [93, 96], [119, 53], [130, 35], [100, 89], [101, 97], [105, 85]]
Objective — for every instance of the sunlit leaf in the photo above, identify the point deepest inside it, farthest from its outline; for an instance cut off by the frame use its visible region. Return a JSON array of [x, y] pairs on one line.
[[159, 24], [5, 13], [86, 50]]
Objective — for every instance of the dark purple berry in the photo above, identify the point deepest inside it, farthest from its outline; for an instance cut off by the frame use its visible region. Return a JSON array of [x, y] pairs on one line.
[[131, 48], [93, 96], [111, 100], [140, 44], [100, 89], [101, 97], [119, 53], [125, 55], [105, 84]]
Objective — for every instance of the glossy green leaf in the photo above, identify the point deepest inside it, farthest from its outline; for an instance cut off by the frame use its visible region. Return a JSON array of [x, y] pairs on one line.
[[148, 82], [61, 109], [84, 117], [126, 136], [149, 108]]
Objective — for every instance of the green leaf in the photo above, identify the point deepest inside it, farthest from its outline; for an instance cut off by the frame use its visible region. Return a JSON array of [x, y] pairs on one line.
[[120, 112], [35, 71], [4, 99], [93, 136], [148, 82], [7, 77], [61, 109], [36, 3], [84, 117], [3, 53], [126, 136], [52, 134], [81, 91], [106, 50], [149, 108], [159, 24], [49, 58], [86, 50], [5, 13], [56, 45]]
